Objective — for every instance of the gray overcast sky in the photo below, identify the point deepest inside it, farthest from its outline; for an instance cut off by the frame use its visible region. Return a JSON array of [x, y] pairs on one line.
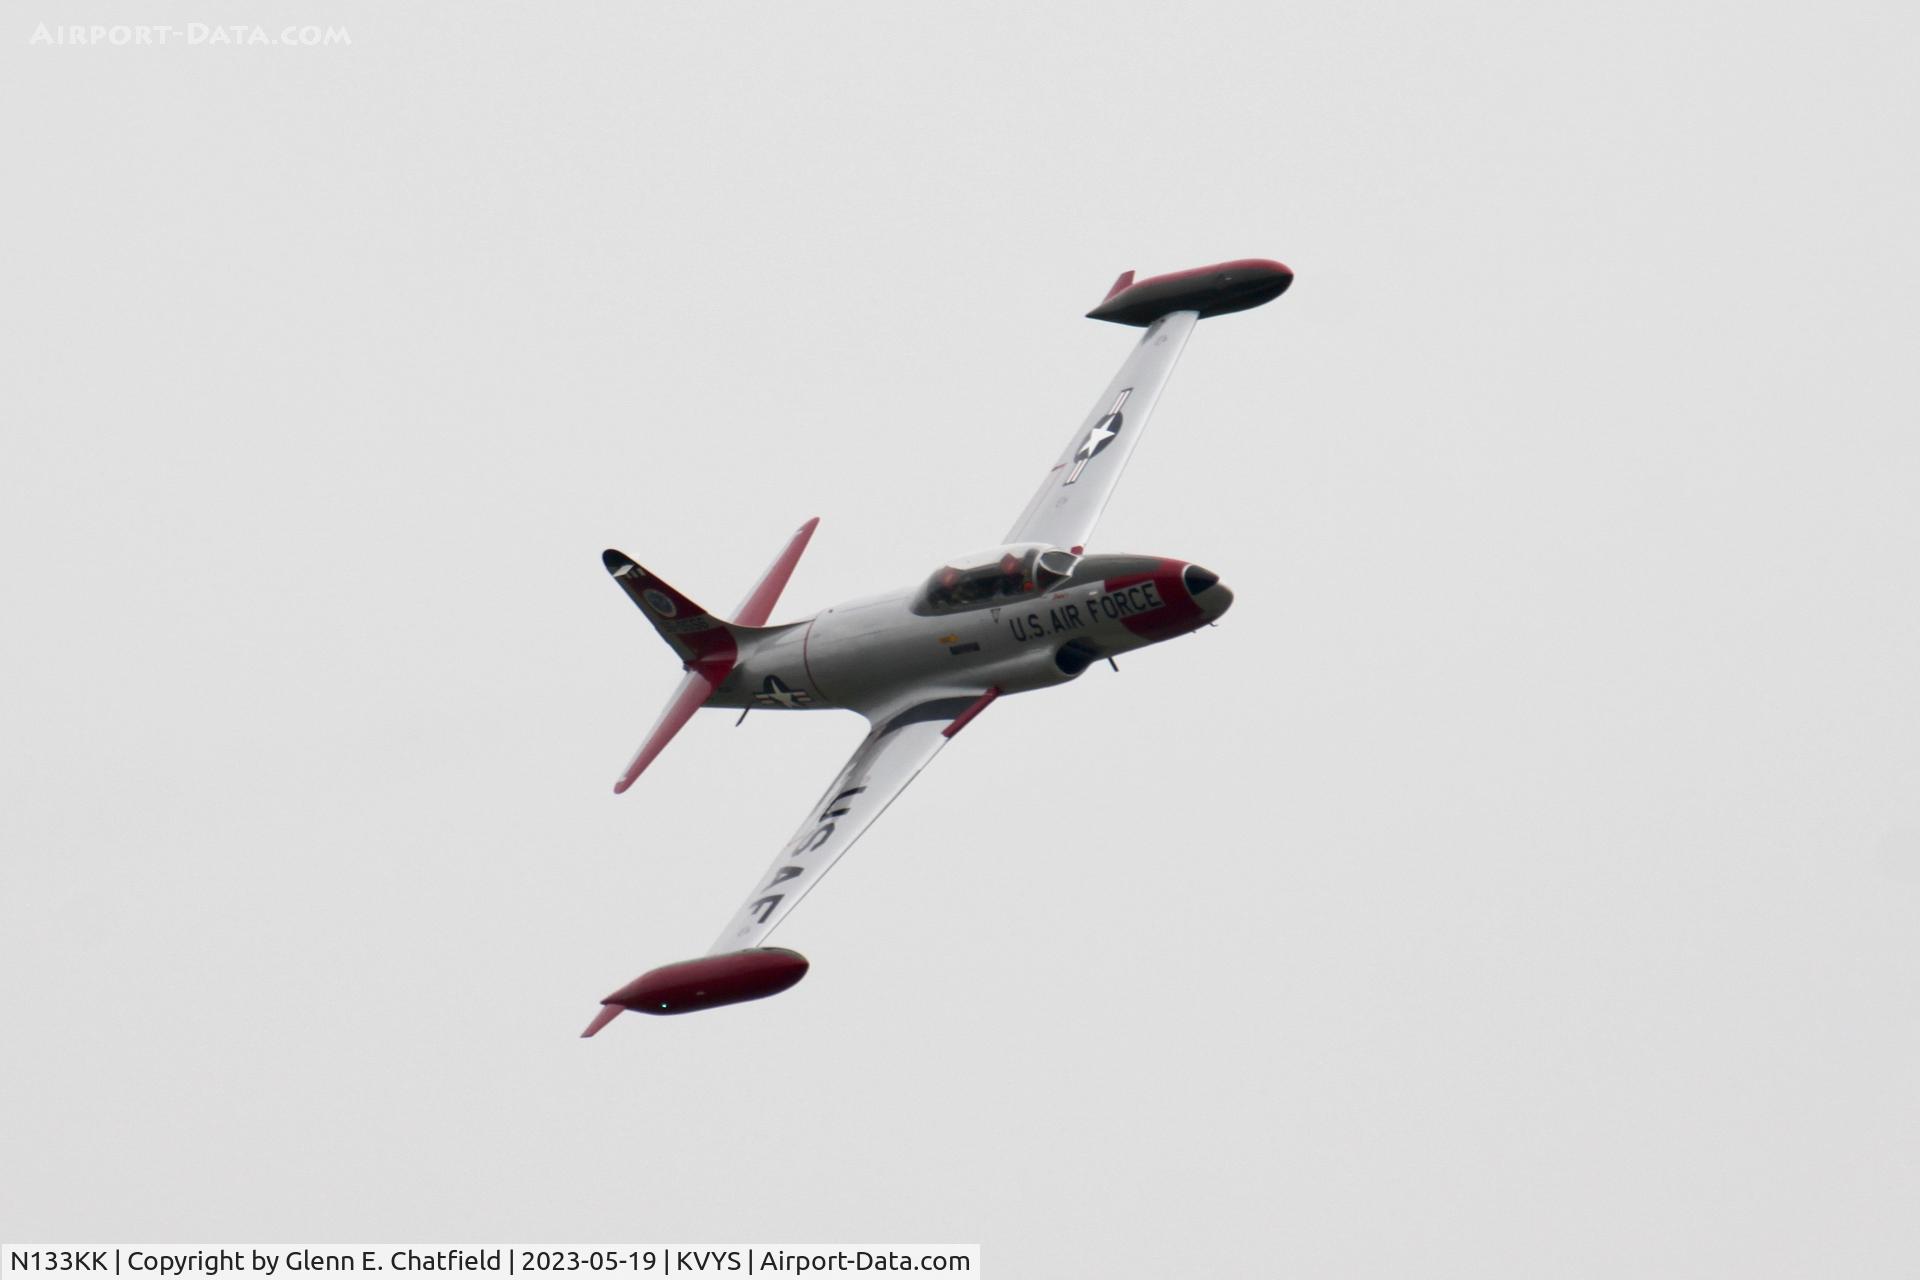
[[1524, 879]]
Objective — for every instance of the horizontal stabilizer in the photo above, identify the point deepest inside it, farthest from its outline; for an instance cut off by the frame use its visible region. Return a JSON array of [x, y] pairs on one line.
[[708, 647], [758, 606], [692, 694]]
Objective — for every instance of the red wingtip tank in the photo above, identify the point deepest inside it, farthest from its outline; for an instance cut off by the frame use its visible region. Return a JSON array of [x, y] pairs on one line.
[[706, 983], [1212, 291]]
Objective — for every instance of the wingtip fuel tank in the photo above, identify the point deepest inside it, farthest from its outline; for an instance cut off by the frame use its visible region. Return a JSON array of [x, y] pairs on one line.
[[1212, 291], [706, 983]]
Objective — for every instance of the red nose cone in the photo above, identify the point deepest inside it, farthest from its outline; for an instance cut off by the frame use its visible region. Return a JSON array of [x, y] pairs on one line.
[[714, 980]]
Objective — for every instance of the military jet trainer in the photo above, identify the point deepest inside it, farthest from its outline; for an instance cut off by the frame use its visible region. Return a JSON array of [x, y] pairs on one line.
[[921, 662]]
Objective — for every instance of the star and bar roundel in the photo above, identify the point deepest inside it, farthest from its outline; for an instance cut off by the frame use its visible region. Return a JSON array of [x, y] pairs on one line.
[[775, 692], [1099, 436]]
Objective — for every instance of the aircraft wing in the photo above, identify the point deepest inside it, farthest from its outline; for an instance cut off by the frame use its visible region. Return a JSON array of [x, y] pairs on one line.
[[901, 743], [1069, 503]]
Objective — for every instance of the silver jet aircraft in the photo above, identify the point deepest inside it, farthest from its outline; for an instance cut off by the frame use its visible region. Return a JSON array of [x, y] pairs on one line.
[[921, 663]]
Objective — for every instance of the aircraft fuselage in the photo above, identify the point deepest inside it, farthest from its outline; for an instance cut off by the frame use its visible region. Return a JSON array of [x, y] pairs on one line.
[[863, 654]]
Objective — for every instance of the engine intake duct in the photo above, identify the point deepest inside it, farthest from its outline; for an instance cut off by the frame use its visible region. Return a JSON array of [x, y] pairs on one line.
[[1076, 656]]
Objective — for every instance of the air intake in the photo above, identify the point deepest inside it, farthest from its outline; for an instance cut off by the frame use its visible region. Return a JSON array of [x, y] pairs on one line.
[[1076, 656]]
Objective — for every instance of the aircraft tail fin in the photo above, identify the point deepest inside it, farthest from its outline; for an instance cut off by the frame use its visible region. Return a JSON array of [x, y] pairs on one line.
[[708, 647], [703, 642]]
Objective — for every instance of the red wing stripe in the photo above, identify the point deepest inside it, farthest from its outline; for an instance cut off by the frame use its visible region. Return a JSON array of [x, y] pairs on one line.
[[965, 718]]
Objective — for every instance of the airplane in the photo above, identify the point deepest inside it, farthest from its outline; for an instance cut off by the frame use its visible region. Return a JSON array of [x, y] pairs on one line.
[[920, 663]]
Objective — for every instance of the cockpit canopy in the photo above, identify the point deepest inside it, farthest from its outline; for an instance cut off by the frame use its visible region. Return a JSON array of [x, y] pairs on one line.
[[995, 577]]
